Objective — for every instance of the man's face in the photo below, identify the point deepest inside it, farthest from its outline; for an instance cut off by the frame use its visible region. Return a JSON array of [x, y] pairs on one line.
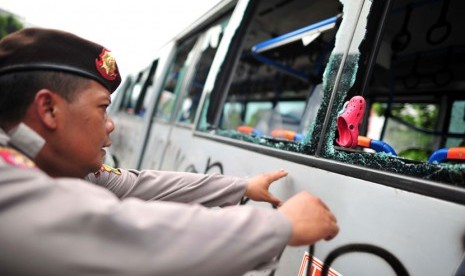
[[84, 130]]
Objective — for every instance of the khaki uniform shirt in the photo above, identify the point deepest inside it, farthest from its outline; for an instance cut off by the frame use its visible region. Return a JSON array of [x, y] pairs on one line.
[[130, 223]]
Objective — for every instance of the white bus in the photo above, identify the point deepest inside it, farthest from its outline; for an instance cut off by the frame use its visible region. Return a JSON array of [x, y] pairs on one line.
[[255, 86]]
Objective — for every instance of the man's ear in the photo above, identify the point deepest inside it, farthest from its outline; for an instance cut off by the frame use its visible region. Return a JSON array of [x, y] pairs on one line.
[[45, 104]]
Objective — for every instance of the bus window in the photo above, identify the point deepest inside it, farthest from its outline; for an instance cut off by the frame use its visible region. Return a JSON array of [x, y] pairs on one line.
[[264, 118], [254, 112], [233, 111], [135, 95], [129, 97], [173, 80], [413, 142], [411, 79], [281, 65], [209, 45], [147, 90], [125, 90], [457, 125]]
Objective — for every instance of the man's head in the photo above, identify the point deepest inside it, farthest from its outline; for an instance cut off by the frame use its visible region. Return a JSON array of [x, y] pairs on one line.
[[59, 85]]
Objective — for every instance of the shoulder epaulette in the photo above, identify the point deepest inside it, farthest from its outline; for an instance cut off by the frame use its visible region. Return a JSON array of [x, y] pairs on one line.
[[15, 158], [106, 168]]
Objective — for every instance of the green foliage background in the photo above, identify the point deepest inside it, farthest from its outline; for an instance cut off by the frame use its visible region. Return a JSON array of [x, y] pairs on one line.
[[9, 24], [419, 115]]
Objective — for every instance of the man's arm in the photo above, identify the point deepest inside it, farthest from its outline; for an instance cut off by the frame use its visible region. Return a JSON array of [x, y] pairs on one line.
[[69, 227], [183, 187], [209, 190]]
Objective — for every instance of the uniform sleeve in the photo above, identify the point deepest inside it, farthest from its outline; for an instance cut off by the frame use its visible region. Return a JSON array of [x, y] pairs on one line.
[[208, 190], [71, 227]]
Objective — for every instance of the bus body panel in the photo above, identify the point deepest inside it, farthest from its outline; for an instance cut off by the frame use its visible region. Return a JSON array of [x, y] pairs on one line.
[[425, 234]]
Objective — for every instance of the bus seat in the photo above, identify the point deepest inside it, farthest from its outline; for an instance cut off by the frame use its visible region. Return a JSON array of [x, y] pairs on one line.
[[287, 134], [249, 130], [444, 154], [377, 145]]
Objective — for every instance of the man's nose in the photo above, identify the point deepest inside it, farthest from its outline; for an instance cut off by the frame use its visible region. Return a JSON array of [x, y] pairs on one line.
[[109, 125]]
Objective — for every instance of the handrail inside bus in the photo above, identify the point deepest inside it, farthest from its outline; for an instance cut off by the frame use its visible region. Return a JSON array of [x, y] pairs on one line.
[[310, 32]]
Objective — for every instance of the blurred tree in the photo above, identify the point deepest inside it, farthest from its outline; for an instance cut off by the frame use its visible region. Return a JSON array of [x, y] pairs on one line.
[[419, 115], [9, 24]]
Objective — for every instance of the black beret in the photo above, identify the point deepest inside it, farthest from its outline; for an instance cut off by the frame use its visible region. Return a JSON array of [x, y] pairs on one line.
[[33, 49]]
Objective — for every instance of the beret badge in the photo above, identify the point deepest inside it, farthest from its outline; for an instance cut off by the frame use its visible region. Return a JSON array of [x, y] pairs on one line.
[[106, 65]]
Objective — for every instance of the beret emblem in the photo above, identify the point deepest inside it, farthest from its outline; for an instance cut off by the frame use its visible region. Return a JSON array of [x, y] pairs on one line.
[[106, 65]]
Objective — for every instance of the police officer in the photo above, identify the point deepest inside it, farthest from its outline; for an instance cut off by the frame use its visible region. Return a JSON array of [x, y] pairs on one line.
[[54, 91]]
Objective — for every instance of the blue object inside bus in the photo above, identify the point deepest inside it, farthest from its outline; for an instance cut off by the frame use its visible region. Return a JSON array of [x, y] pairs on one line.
[[313, 29]]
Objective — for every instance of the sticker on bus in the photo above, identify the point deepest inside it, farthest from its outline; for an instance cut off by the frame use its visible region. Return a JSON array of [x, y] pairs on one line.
[[316, 267]]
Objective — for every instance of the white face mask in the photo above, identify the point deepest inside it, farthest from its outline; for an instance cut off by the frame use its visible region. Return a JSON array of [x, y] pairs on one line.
[[27, 140]]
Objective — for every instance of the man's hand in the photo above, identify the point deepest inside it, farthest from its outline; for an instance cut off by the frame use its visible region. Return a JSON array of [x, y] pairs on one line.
[[311, 219], [257, 187]]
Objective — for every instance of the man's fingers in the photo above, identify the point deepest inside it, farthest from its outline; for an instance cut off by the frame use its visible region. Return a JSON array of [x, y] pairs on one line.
[[274, 200], [334, 232], [273, 176], [324, 205]]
